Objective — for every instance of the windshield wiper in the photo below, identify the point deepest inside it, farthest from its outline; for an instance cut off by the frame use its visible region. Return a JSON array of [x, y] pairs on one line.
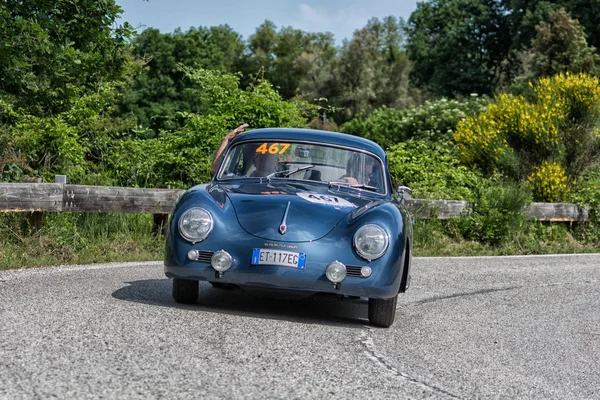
[[352, 185], [289, 172]]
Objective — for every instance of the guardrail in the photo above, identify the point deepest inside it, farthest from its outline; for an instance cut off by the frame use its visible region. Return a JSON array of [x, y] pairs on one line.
[[61, 197]]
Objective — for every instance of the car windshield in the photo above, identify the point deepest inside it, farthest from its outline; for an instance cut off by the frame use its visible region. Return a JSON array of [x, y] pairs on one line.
[[315, 162]]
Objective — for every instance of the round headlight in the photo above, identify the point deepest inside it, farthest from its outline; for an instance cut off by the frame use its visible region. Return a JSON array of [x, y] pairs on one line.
[[195, 224], [371, 242]]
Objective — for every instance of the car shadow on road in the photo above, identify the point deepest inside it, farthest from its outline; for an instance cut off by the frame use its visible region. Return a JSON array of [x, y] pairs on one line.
[[316, 309]]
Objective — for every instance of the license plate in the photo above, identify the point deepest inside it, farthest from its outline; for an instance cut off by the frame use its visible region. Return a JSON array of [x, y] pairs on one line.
[[278, 257]]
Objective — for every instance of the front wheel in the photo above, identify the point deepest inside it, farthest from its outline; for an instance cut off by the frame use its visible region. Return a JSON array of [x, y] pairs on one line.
[[382, 311], [185, 291]]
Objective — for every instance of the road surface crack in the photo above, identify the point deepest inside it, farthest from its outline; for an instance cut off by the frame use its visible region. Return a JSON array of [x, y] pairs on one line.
[[371, 352]]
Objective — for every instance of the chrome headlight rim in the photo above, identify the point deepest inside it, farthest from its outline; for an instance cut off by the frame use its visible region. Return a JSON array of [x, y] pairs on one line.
[[375, 256], [187, 236]]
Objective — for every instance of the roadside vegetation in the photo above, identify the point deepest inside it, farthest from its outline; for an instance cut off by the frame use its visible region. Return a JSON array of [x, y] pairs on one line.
[[514, 118]]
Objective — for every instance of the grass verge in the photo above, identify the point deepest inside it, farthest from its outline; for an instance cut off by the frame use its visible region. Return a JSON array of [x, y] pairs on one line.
[[78, 238], [444, 238]]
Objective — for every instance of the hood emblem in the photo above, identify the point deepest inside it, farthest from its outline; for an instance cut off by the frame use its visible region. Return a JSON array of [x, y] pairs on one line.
[[283, 225]]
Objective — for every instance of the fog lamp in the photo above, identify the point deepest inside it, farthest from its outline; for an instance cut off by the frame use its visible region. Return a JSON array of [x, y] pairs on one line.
[[221, 261], [366, 271], [336, 272], [193, 255]]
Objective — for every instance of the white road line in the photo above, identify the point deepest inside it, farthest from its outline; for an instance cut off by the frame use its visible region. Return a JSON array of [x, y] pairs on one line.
[[13, 273], [517, 256]]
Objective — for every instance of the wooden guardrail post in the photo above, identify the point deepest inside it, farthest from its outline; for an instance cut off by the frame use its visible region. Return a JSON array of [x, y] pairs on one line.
[[33, 220], [160, 220]]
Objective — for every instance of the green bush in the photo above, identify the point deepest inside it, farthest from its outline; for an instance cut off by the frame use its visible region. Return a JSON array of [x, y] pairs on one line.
[[497, 216], [71, 143], [432, 171], [433, 120], [586, 193]]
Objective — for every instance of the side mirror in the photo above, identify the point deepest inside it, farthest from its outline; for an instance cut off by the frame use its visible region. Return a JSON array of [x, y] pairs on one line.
[[404, 192]]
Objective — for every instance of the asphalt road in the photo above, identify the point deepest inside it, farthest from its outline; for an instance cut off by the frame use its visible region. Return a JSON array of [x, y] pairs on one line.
[[503, 327]]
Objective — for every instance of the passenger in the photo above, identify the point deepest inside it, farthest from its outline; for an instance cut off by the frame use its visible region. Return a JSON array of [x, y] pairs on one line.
[[371, 176], [374, 174], [221, 150]]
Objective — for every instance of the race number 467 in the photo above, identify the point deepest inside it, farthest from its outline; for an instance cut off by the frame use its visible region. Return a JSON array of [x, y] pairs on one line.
[[274, 148]]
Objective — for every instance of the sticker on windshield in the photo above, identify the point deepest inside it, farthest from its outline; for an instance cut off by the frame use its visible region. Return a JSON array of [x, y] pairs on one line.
[[274, 148], [325, 199]]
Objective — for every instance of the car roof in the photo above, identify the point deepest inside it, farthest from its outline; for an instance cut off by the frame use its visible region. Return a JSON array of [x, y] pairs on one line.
[[311, 135]]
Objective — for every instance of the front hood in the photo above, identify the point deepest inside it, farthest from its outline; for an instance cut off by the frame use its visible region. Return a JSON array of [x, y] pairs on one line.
[[290, 212]]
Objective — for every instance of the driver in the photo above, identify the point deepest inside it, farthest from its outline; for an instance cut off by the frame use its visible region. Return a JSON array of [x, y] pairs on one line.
[[264, 164]]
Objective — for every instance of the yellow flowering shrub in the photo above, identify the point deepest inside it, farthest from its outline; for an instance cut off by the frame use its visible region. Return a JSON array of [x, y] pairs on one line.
[[492, 139], [482, 136], [549, 182], [515, 136], [571, 96]]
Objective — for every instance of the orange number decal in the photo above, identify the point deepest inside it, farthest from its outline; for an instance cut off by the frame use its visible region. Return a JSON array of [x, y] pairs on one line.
[[262, 149], [284, 147], [274, 148]]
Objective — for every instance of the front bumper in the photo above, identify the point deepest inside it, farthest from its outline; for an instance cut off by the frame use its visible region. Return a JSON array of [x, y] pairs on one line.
[[383, 283]]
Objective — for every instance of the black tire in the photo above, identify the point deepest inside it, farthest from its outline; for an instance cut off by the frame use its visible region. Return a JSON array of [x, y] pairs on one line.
[[382, 311], [405, 272], [221, 285], [185, 291]]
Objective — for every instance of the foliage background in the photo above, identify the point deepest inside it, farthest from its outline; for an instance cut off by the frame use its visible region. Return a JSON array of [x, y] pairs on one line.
[[492, 101]]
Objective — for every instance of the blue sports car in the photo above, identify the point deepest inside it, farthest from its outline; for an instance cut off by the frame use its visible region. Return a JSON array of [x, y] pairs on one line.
[[297, 210]]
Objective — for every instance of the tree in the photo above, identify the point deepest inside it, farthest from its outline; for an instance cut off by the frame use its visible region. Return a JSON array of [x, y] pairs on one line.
[[373, 69], [393, 66], [561, 46], [284, 58], [318, 61], [261, 46], [162, 90], [287, 71], [355, 72], [458, 46], [55, 51], [525, 15]]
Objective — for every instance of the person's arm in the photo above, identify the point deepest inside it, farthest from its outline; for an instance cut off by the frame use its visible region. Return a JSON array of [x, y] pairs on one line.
[[219, 153], [349, 179]]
